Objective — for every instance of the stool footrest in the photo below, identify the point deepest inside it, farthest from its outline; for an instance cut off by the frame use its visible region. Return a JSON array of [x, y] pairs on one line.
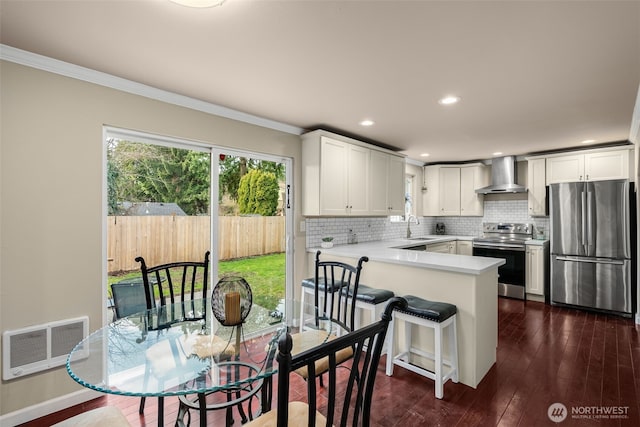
[[422, 371]]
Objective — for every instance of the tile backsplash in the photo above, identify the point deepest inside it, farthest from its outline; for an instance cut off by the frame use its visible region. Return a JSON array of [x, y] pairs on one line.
[[369, 229]]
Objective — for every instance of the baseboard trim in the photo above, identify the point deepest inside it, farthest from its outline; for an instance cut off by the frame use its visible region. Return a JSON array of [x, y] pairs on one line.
[[48, 407]]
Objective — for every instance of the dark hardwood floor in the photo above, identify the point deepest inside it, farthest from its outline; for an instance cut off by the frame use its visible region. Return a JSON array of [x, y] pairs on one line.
[[588, 362]]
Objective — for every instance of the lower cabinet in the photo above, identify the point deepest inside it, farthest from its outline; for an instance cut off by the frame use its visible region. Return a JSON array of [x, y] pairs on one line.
[[464, 247], [443, 247], [536, 265]]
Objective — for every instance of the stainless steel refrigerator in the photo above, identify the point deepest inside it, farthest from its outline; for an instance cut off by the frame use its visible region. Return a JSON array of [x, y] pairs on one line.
[[592, 263]]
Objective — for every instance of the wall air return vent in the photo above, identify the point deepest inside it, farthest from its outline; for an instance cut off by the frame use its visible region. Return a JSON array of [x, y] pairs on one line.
[[41, 347]]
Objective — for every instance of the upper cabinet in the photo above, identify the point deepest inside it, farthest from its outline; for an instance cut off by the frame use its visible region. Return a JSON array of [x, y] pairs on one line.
[[343, 166], [536, 182], [386, 177], [451, 190], [472, 177], [344, 177], [431, 191], [591, 166]]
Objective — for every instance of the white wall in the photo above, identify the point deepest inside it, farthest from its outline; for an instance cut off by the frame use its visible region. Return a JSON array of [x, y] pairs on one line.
[[51, 202]]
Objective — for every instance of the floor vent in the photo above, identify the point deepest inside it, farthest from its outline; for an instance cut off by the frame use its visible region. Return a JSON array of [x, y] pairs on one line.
[[40, 347]]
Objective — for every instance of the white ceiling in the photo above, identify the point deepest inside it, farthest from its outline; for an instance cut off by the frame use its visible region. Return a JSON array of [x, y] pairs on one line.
[[533, 75]]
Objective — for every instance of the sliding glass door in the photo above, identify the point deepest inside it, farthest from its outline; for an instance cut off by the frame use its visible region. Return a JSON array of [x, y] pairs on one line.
[[171, 200]]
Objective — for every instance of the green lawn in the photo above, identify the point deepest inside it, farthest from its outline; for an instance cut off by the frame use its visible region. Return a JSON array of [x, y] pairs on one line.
[[265, 274]]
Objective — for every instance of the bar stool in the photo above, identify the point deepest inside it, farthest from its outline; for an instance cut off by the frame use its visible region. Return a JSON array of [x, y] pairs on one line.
[[372, 300], [369, 299], [309, 287], [437, 316]]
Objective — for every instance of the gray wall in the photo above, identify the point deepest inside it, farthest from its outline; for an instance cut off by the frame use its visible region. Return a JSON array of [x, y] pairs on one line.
[[51, 264]]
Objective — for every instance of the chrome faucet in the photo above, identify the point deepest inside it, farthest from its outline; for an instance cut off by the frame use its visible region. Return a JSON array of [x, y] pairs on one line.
[[409, 224]]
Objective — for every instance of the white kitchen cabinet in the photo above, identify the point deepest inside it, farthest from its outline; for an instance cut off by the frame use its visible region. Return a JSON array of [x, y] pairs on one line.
[[451, 190], [536, 182], [472, 177], [442, 247], [386, 184], [345, 177], [535, 266], [449, 197], [591, 166], [431, 191], [464, 247], [343, 191]]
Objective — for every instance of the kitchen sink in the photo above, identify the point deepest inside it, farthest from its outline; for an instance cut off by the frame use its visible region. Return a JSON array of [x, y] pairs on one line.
[[413, 247]]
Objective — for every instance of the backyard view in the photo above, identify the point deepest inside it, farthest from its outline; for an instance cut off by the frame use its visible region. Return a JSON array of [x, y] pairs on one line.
[[159, 208]]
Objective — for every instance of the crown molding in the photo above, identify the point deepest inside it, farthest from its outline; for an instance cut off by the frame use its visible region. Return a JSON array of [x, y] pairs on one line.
[[40, 62]]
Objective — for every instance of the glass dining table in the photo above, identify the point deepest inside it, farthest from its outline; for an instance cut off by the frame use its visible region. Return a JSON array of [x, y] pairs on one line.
[[183, 350]]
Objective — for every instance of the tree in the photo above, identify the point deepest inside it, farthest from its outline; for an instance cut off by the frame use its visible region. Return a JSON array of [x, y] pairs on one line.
[[233, 168], [144, 172], [258, 193]]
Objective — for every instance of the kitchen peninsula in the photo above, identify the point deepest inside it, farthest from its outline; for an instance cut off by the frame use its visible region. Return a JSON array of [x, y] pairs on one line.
[[469, 282]]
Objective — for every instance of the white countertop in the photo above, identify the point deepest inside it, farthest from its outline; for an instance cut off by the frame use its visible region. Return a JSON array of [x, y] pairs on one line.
[[388, 251], [537, 242]]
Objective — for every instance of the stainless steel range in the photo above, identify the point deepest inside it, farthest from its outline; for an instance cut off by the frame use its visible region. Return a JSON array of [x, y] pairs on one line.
[[507, 241]]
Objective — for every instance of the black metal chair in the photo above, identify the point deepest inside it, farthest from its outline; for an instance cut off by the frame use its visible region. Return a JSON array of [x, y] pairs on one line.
[[231, 302], [336, 288], [348, 404], [128, 298], [166, 284]]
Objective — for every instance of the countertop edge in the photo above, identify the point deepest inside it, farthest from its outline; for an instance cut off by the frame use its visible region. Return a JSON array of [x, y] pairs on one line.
[[386, 251]]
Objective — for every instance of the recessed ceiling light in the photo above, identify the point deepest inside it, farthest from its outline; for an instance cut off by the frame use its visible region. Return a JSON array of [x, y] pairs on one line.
[[497, 153], [449, 100], [425, 155], [367, 122], [588, 141], [198, 3]]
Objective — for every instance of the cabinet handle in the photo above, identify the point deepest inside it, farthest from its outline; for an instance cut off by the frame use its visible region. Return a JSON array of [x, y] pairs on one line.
[[587, 177], [580, 179]]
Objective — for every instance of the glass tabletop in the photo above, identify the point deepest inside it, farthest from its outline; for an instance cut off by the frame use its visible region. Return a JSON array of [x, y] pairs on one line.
[[180, 349]]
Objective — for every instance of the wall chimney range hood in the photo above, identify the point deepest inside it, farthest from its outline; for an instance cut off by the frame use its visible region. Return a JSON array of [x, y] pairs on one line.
[[503, 177]]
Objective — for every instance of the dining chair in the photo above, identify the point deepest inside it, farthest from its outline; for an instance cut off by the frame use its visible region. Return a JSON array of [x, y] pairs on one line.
[[181, 281], [166, 284], [341, 404], [231, 302], [336, 288], [128, 298]]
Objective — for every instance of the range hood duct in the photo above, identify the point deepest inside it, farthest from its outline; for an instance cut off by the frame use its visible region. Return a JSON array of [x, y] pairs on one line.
[[503, 177]]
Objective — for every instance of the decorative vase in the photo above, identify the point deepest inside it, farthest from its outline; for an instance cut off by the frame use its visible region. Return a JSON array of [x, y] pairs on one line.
[[326, 245]]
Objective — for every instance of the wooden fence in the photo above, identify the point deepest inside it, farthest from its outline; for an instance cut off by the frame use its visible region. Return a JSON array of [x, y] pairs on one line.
[[163, 239]]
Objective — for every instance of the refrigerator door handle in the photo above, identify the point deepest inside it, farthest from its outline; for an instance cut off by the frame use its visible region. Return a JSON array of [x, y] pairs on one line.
[[583, 222], [591, 260], [589, 218]]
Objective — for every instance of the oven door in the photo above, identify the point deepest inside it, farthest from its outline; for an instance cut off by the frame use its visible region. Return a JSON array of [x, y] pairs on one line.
[[511, 278]]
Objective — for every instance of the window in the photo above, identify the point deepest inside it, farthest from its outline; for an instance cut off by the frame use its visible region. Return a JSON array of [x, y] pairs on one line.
[[409, 197]]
